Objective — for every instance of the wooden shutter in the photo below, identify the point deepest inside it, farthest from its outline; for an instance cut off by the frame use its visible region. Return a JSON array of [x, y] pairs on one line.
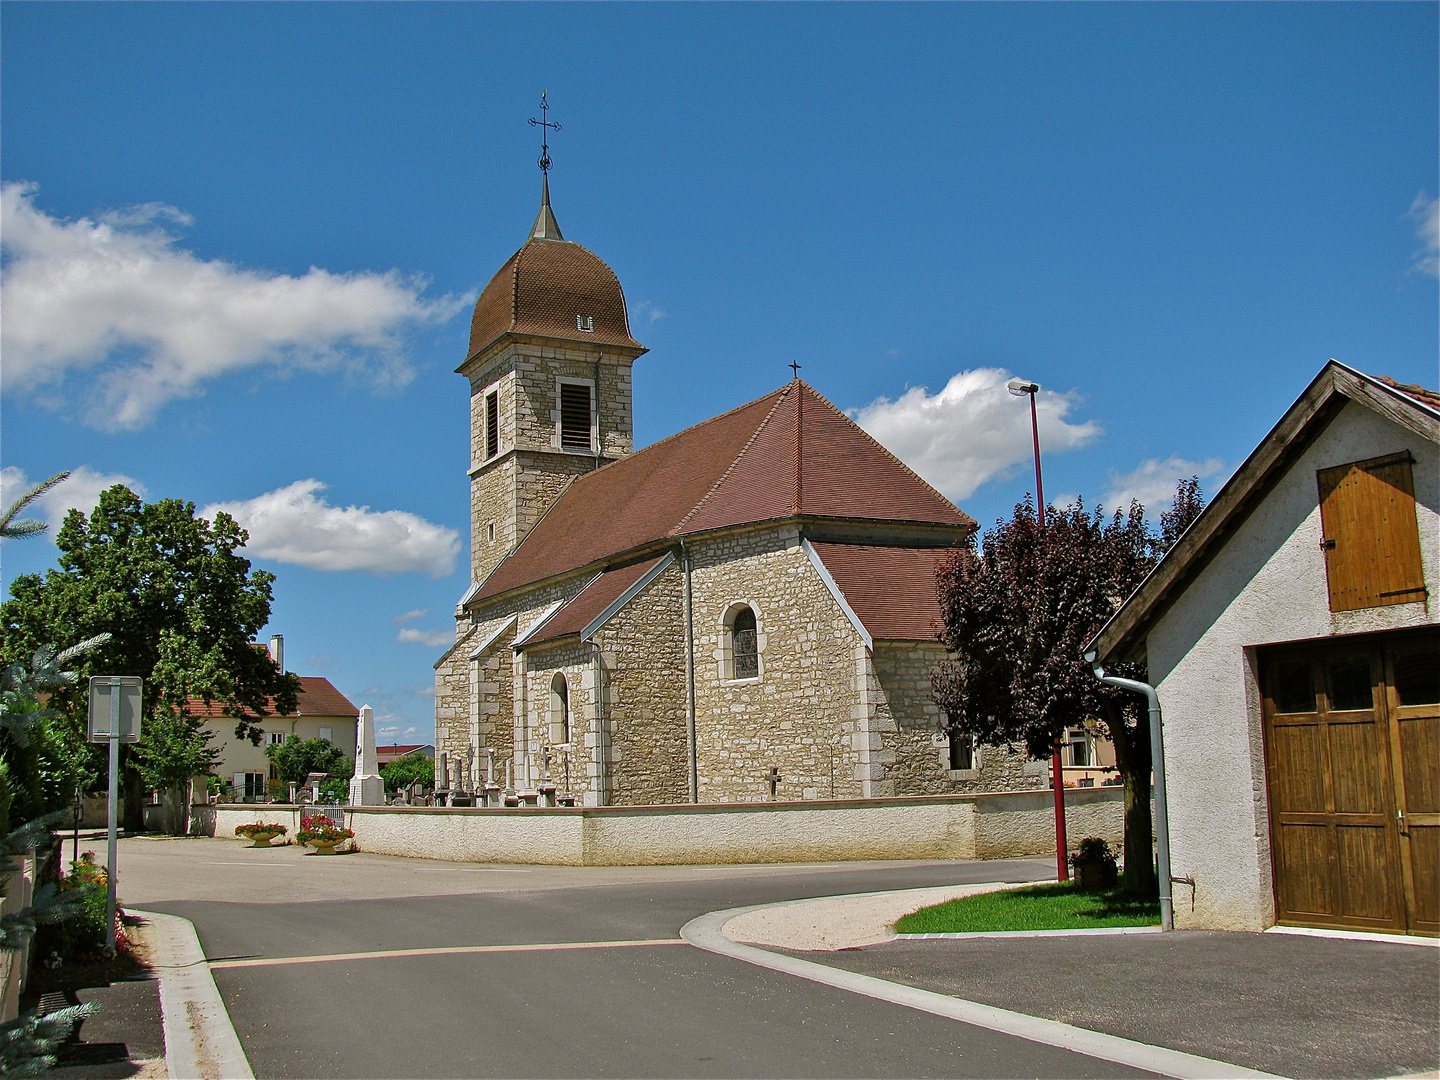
[[1370, 537]]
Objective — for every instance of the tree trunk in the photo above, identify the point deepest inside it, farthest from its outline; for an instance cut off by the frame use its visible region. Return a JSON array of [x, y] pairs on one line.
[[1132, 758], [132, 800]]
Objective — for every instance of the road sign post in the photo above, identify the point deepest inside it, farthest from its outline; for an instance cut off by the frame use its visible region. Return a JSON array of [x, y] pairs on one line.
[[114, 718]]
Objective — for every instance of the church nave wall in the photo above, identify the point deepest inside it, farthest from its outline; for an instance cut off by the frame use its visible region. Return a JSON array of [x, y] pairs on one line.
[[916, 766], [798, 715], [645, 698]]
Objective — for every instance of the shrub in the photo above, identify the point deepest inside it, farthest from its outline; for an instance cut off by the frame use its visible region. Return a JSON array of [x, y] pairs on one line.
[[81, 939]]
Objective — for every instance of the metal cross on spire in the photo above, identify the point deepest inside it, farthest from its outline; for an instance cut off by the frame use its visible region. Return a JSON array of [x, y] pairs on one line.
[[794, 368], [546, 125]]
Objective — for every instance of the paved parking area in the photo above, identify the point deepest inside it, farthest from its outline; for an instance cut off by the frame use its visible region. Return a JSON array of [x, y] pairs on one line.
[[1298, 1006]]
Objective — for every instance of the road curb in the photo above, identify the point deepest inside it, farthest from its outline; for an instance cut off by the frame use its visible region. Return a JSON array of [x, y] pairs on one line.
[[1092, 931], [706, 933], [200, 1042]]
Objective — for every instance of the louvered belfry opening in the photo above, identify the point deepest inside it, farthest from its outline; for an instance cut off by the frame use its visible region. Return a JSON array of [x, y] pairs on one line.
[[492, 425], [574, 416]]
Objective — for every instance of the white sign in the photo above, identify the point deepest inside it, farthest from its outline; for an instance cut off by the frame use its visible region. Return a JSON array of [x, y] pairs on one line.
[[115, 707]]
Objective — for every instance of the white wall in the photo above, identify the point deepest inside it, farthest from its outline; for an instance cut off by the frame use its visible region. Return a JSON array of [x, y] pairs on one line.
[[925, 827], [1267, 585]]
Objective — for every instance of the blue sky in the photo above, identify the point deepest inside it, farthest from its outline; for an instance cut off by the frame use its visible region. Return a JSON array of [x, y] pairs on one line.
[[239, 272]]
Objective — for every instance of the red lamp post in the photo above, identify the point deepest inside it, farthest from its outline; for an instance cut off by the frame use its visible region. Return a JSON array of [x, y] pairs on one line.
[[1021, 388]]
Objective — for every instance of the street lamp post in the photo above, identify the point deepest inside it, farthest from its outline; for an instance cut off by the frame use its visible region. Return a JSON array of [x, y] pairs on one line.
[[1022, 388]]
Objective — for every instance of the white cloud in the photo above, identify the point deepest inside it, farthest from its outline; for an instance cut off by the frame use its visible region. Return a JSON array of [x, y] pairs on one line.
[[148, 321], [433, 638], [972, 431], [1425, 213], [79, 491], [412, 731], [291, 525], [644, 308], [410, 616], [1153, 483]]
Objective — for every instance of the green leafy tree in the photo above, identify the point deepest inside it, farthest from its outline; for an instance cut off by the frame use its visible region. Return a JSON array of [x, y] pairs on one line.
[[28, 1042], [181, 607], [402, 772], [295, 759], [1017, 610]]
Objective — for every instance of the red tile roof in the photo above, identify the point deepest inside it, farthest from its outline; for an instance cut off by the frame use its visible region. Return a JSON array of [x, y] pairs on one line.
[[540, 291], [591, 601], [788, 454], [1419, 393], [316, 698], [891, 589], [386, 754]]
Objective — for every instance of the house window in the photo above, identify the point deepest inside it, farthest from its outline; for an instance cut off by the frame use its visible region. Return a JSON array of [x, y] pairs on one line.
[[1371, 540], [325, 734], [274, 738], [962, 749], [492, 423], [575, 422], [1077, 747], [744, 645], [559, 710]]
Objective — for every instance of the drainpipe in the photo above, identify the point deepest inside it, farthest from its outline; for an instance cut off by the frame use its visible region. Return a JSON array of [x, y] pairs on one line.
[[1157, 764], [690, 680], [599, 430]]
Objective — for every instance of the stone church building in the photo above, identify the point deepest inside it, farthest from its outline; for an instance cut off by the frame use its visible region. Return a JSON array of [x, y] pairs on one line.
[[742, 611]]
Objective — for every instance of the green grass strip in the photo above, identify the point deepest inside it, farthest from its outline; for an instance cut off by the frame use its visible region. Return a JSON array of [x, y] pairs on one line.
[[1057, 906]]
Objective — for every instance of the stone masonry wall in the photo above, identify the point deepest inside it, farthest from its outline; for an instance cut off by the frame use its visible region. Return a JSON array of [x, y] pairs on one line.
[[643, 656], [914, 763], [797, 716], [537, 733], [512, 490]]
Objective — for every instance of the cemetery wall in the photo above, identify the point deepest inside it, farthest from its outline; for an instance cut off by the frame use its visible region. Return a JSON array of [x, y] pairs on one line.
[[990, 826]]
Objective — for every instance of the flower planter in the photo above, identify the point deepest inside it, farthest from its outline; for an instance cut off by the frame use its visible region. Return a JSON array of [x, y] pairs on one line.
[[263, 839], [324, 848], [1090, 876]]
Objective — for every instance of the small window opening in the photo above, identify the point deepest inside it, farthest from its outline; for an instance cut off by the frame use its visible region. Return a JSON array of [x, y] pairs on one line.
[[962, 749], [559, 710], [574, 416], [492, 424], [585, 323], [490, 532], [744, 645]]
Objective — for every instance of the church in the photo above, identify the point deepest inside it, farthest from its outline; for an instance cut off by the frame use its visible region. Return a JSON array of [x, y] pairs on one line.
[[743, 611]]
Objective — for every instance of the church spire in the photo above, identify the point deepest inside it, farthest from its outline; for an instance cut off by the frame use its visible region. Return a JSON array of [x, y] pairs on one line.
[[545, 226]]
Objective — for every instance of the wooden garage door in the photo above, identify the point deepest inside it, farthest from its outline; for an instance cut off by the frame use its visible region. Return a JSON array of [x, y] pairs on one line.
[[1352, 746]]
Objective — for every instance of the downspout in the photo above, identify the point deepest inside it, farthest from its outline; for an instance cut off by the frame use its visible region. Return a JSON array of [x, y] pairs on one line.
[[690, 680], [1157, 765], [599, 431]]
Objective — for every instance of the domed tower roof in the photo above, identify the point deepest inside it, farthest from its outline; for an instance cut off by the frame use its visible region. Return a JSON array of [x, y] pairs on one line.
[[552, 287]]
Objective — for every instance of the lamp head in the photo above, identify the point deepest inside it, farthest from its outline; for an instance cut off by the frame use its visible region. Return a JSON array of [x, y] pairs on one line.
[[1020, 387]]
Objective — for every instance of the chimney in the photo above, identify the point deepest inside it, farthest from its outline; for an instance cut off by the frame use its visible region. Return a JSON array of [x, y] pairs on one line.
[[277, 650]]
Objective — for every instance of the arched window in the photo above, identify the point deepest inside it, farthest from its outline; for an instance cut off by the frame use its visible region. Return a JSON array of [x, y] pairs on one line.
[[745, 657], [559, 710]]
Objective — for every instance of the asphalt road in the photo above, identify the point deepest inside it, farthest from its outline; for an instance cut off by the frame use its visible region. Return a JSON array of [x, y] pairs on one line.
[[663, 1010], [283, 930]]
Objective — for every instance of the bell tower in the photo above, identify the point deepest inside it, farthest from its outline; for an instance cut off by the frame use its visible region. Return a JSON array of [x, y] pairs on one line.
[[549, 372]]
